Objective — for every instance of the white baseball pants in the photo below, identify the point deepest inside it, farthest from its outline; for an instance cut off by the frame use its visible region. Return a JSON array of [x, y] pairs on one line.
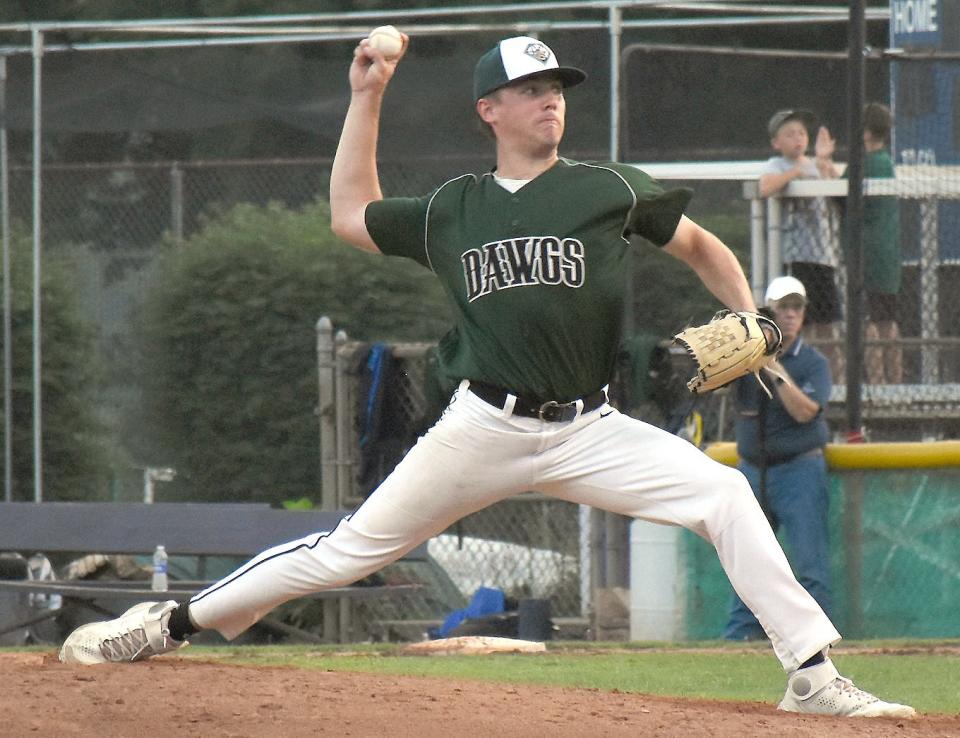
[[477, 454]]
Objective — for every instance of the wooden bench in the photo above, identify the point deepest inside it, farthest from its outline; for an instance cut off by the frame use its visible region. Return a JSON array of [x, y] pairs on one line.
[[188, 529]]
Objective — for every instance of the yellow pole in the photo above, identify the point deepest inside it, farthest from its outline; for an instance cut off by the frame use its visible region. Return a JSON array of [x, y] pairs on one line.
[[868, 455]]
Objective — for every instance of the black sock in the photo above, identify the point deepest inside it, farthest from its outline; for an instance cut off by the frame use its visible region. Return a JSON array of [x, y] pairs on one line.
[[817, 658], [180, 625]]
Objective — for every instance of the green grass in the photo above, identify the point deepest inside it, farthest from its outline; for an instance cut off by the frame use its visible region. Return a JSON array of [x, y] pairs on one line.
[[919, 673], [916, 674]]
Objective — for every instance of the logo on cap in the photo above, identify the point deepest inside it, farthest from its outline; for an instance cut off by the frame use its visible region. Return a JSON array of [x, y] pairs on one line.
[[538, 51]]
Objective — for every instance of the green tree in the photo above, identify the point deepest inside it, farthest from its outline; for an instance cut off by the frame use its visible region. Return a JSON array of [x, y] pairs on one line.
[[231, 345], [75, 457], [668, 294]]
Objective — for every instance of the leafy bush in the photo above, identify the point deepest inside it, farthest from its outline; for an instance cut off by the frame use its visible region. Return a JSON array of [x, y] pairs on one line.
[[75, 459], [668, 294], [231, 344]]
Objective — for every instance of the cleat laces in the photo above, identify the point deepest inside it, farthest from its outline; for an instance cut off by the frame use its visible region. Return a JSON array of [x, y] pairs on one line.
[[128, 646], [845, 685]]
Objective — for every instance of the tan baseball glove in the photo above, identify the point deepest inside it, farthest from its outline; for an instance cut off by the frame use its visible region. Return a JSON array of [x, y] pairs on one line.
[[730, 346]]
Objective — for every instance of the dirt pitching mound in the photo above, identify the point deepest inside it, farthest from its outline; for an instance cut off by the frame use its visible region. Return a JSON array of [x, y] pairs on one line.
[[185, 697]]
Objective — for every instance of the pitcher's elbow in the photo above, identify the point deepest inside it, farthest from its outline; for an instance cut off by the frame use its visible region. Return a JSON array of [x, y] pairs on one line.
[[339, 226], [346, 230]]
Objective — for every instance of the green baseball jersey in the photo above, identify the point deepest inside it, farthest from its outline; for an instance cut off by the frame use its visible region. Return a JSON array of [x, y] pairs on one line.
[[538, 277]]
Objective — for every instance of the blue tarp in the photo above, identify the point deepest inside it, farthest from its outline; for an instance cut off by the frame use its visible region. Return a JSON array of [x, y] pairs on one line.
[[485, 601]]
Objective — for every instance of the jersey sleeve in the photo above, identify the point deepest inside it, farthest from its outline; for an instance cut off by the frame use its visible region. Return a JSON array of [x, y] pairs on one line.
[[656, 218], [657, 211], [398, 226]]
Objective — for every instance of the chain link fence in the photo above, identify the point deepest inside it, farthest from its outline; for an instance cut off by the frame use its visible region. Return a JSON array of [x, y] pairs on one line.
[[114, 217], [895, 546], [528, 546]]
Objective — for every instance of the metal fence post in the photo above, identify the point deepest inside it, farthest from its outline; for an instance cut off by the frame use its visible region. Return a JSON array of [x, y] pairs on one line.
[[853, 550], [929, 292], [7, 286], [326, 414], [598, 578], [336, 613], [758, 241], [37, 46], [176, 202], [585, 560], [617, 550], [343, 421], [774, 256]]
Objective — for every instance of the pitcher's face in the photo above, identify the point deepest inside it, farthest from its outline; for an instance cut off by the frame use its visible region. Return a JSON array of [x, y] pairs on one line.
[[530, 113]]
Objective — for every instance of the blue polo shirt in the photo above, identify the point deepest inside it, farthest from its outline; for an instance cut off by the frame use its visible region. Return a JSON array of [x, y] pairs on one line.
[[785, 438]]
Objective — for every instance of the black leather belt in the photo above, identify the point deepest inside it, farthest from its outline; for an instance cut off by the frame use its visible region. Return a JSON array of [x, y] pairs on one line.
[[550, 411]]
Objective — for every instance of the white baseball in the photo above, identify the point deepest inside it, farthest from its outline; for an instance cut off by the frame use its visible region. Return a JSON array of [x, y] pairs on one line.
[[387, 40]]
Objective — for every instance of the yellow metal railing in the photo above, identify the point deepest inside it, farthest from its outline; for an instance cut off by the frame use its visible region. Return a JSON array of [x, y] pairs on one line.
[[868, 455]]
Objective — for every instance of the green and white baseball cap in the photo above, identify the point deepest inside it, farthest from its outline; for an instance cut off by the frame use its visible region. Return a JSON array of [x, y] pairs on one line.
[[517, 58]]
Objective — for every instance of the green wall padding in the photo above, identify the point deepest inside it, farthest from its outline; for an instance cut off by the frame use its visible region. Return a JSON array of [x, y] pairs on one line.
[[900, 530]]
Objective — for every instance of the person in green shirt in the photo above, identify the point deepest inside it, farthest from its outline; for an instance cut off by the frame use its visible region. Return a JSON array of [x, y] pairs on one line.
[[533, 256], [882, 256]]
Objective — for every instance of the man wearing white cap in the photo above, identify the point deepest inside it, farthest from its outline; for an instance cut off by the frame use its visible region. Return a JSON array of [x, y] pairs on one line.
[[780, 443], [533, 256]]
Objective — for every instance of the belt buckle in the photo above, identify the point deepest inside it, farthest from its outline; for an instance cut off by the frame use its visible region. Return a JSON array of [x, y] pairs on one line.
[[545, 407]]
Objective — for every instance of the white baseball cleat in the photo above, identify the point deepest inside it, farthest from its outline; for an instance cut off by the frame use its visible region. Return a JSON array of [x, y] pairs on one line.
[[141, 632], [820, 690]]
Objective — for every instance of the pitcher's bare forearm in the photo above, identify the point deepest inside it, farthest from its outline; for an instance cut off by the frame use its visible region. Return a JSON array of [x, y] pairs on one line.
[[714, 263], [354, 180]]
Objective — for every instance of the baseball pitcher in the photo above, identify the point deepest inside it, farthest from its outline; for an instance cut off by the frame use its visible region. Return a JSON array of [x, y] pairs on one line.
[[533, 254]]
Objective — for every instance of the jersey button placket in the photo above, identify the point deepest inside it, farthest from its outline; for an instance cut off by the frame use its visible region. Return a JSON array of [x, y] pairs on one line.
[[515, 202]]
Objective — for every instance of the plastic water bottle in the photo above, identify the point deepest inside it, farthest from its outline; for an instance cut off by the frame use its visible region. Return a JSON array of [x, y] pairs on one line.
[[159, 583]]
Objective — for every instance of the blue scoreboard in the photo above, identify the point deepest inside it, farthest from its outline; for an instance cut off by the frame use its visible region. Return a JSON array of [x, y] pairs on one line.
[[925, 99]]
